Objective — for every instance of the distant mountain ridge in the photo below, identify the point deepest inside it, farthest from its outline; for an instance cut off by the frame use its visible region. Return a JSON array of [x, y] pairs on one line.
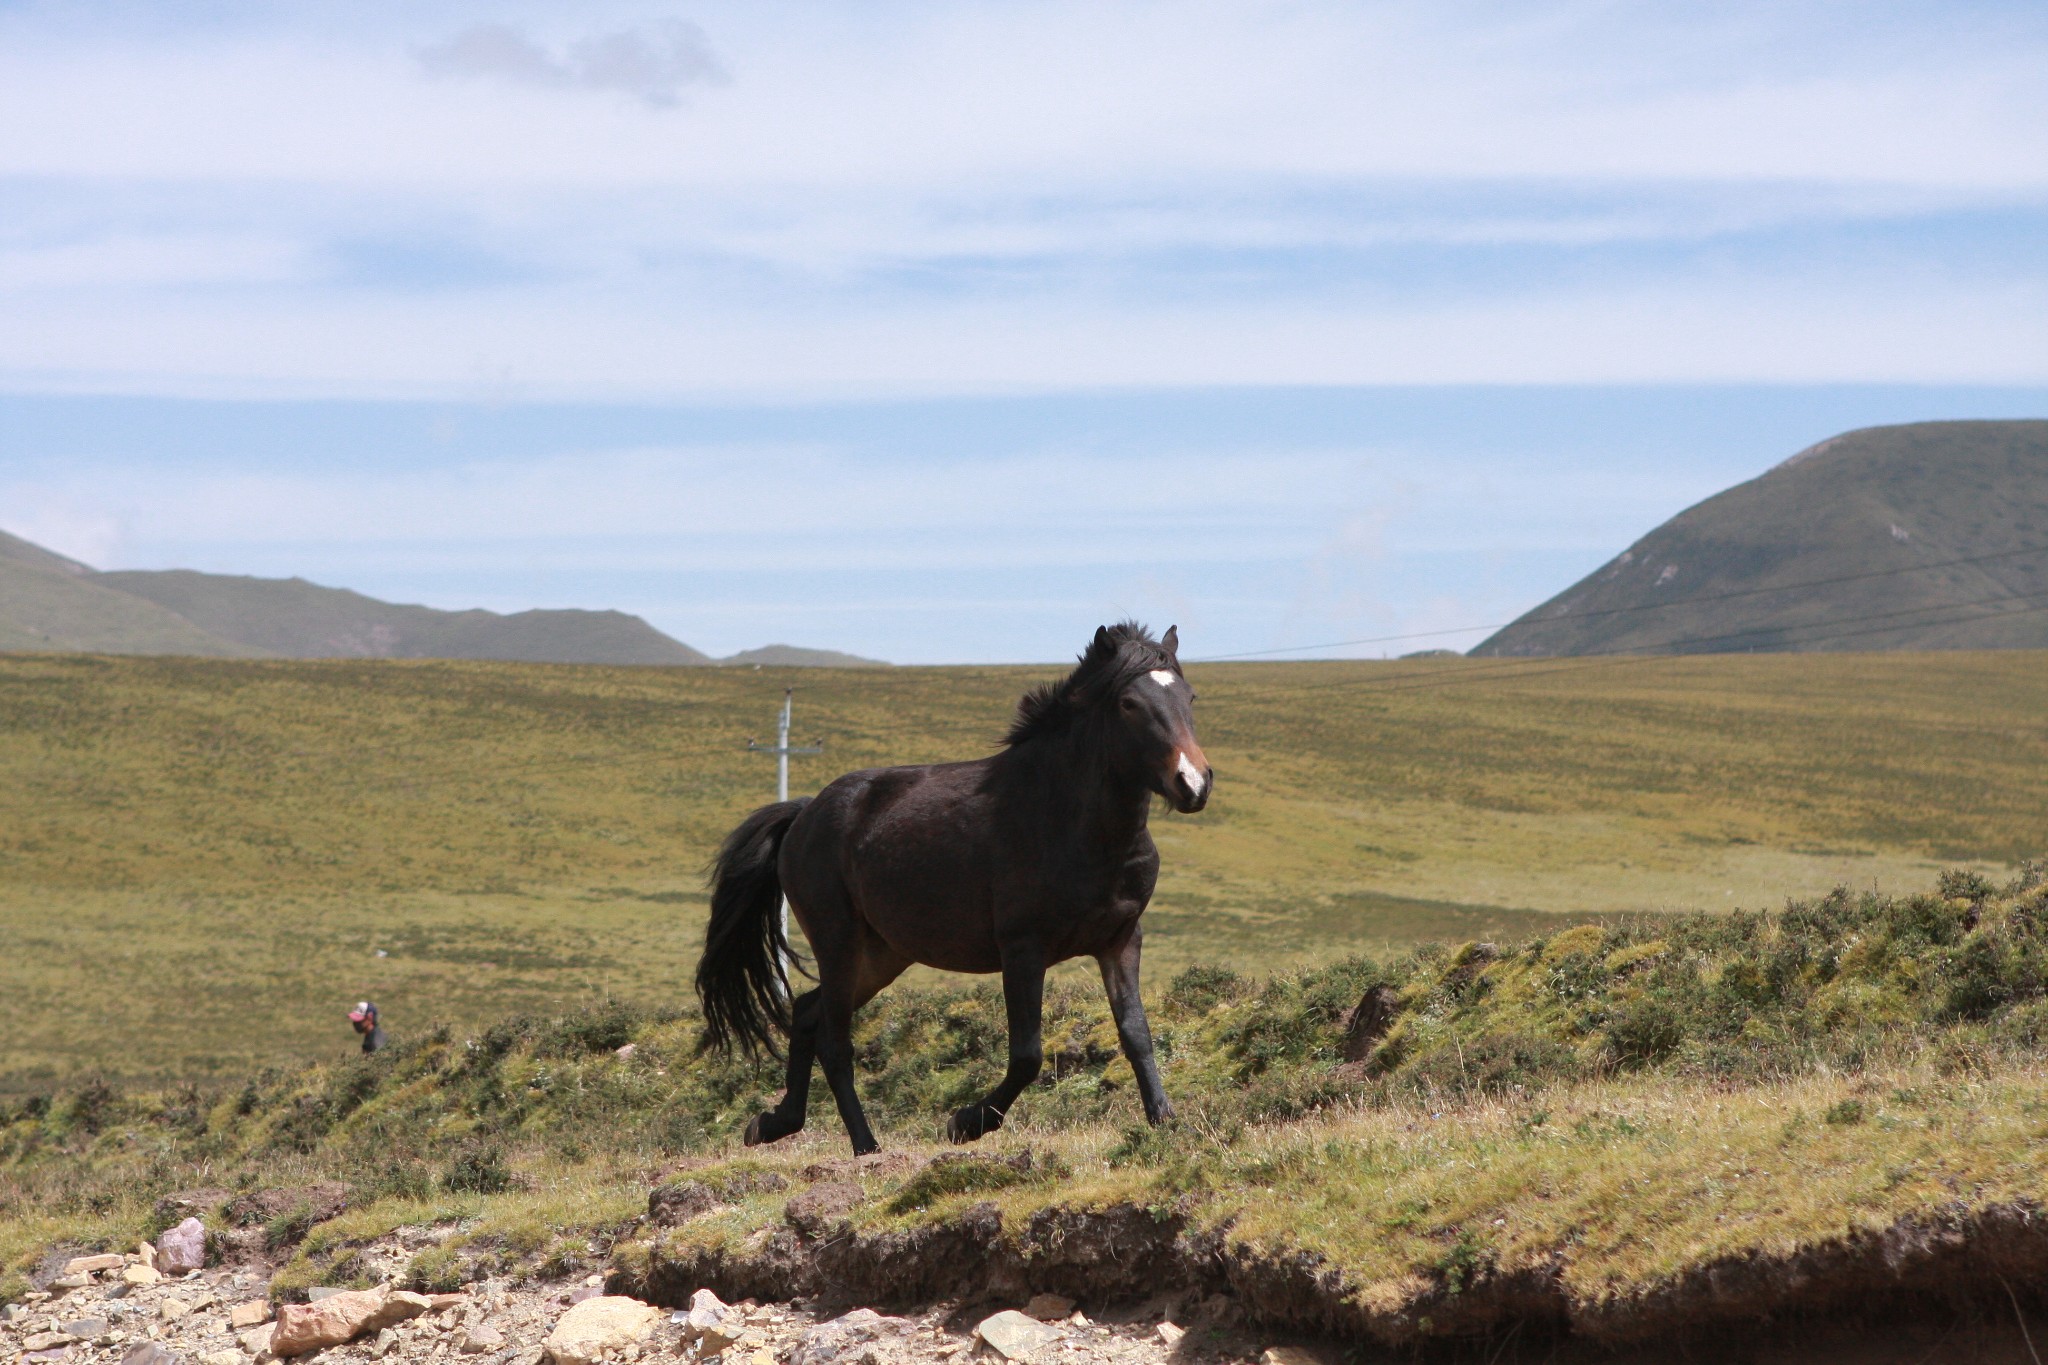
[[1931, 535], [50, 602]]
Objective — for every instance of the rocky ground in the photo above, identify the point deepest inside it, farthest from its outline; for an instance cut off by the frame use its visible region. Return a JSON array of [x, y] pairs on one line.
[[119, 1310]]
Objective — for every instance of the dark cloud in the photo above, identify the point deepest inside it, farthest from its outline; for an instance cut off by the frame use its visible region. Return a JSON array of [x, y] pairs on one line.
[[653, 62]]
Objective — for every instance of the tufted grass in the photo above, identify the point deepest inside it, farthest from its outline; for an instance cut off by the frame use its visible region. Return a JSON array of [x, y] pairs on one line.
[[1631, 1100]]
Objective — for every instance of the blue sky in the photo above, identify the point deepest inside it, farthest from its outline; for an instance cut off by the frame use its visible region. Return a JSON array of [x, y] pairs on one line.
[[940, 332]]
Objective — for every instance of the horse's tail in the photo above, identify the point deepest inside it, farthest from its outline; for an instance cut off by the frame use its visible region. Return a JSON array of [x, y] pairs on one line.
[[741, 981]]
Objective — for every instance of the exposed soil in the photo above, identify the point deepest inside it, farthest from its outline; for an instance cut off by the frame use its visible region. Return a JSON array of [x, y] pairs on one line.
[[1959, 1278], [1147, 1290]]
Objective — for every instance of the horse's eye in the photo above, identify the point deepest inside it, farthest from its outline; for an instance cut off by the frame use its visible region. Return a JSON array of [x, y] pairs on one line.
[[1130, 703]]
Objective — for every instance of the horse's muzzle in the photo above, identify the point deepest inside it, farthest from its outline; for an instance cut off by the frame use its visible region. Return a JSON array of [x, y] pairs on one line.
[[1191, 791]]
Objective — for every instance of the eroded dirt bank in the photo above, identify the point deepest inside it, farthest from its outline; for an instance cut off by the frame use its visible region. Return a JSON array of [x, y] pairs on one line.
[[1952, 1272]]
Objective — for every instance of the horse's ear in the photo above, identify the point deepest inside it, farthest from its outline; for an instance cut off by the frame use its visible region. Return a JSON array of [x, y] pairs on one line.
[[1102, 640], [1170, 642]]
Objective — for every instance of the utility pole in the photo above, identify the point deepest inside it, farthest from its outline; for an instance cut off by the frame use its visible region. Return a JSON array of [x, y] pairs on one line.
[[782, 751]]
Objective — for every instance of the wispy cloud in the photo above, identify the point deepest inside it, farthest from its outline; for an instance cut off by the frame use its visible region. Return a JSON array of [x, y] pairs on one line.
[[339, 199], [654, 62]]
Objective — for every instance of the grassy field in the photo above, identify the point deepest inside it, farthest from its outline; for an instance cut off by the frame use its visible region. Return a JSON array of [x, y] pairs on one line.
[[202, 862], [1609, 1113]]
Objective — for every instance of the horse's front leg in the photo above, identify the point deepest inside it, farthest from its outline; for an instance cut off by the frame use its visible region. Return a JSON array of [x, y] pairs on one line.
[[1119, 965], [1024, 1002]]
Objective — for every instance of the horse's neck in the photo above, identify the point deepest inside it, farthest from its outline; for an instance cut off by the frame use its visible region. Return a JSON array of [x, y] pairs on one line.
[[1085, 798]]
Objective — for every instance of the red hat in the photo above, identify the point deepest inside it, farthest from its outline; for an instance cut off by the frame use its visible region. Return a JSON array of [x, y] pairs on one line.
[[363, 1010]]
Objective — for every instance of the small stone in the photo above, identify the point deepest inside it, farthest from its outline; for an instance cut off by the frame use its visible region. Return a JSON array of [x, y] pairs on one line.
[[182, 1249], [66, 1282], [257, 1340], [1291, 1355], [481, 1338], [170, 1310], [441, 1303], [150, 1353], [387, 1342], [44, 1341], [85, 1327], [323, 1291], [625, 1051], [92, 1265], [710, 1323], [141, 1274], [1015, 1336], [145, 1254], [1170, 1334], [251, 1313], [531, 1355], [1049, 1307], [223, 1357], [595, 1326]]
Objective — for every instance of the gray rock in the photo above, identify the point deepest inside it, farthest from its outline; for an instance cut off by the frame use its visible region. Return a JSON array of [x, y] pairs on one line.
[[182, 1249], [1016, 1336], [150, 1353], [481, 1338], [530, 1355], [85, 1327], [844, 1338], [323, 1291]]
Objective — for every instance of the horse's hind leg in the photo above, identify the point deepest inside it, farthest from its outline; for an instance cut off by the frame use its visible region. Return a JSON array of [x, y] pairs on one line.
[[838, 998], [787, 1116], [1024, 1003]]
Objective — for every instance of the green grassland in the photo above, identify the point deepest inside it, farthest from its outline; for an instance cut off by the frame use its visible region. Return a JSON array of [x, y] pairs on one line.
[[1614, 1110], [201, 860]]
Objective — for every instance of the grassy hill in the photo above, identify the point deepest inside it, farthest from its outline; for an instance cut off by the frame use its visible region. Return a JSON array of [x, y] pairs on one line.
[[292, 618], [1928, 536], [48, 602], [203, 861]]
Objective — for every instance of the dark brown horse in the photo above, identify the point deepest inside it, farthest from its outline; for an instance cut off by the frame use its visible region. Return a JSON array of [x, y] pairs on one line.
[[1007, 864]]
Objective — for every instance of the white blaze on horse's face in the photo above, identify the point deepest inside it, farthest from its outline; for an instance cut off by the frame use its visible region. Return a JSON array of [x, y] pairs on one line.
[[1192, 775], [1164, 677]]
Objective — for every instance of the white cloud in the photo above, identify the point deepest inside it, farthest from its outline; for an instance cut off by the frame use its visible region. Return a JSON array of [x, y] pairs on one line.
[[914, 198]]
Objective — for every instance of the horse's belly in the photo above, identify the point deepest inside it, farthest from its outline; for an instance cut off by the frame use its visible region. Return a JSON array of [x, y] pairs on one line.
[[929, 900]]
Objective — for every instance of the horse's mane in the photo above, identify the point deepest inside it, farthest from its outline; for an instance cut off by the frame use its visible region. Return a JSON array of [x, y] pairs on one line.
[[1113, 658]]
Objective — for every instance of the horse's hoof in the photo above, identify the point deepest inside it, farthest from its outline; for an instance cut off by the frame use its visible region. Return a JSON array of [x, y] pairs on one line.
[[753, 1137], [973, 1122]]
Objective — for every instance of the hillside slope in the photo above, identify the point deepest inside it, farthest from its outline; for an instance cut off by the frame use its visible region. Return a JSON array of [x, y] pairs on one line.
[[1932, 535], [796, 656], [297, 619], [48, 602]]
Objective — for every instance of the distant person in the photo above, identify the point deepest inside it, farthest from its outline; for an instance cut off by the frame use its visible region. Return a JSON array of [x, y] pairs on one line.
[[364, 1018]]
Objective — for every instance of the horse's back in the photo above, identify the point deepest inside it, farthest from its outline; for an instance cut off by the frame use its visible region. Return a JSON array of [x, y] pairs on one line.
[[907, 850]]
